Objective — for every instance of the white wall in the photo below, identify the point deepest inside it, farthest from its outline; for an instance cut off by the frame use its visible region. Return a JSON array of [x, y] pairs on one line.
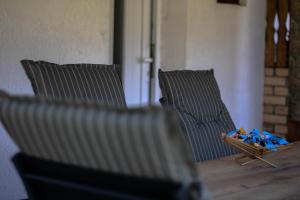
[[195, 34], [173, 34], [230, 39], [61, 31]]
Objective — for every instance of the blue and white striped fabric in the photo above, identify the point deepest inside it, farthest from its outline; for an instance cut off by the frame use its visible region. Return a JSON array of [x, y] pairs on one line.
[[195, 96], [96, 82], [143, 142]]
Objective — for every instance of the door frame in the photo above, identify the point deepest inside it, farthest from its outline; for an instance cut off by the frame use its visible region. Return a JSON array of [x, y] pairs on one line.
[[156, 41], [120, 46]]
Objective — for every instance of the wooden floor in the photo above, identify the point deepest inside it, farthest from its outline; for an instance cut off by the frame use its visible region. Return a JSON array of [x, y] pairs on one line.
[[226, 179]]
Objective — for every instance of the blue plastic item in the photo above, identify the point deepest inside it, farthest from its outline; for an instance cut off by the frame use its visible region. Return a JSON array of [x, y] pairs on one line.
[[265, 139]]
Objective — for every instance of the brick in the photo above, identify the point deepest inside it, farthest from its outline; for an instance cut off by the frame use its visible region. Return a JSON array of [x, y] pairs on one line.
[[268, 109], [282, 135], [274, 100], [281, 110], [269, 71], [283, 72], [282, 129], [276, 119], [275, 81], [268, 127], [268, 90], [281, 91]]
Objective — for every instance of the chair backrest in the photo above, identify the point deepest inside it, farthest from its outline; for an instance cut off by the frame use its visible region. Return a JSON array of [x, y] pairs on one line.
[[98, 82], [196, 97], [65, 144]]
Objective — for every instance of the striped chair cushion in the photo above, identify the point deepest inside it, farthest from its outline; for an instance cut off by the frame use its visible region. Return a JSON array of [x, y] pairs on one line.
[[141, 142], [84, 81], [195, 96]]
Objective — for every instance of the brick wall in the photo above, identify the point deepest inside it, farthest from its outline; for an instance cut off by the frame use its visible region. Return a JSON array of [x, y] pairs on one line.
[[282, 70], [275, 100], [276, 90]]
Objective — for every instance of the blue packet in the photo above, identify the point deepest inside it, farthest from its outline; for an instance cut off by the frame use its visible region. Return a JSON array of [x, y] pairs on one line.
[[232, 132], [265, 138]]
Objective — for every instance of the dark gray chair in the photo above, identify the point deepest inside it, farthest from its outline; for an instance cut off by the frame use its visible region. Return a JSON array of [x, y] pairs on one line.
[[96, 82], [76, 150], [195, 96]]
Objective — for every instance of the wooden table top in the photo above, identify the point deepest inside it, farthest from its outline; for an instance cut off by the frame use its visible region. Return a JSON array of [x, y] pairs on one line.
[[226, 179]]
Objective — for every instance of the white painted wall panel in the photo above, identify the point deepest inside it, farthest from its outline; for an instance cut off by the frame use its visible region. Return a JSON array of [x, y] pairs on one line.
[[173, 34], [61, 31]]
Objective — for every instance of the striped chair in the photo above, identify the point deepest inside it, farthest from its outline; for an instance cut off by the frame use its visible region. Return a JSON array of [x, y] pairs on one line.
[[87, 151], [95, 82], [195, 96]]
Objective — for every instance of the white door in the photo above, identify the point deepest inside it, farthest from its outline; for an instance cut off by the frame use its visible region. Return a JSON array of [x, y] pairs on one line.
[[136, 51]]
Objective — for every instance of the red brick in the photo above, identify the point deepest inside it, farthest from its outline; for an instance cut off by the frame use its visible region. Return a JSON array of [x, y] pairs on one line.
[[274, 100], [276, 119], [281, 110], [269, 71], [282, 135], [284, 72], [268, 109], [268, 90], [282, 129], [275, 81], [268, 127], [282, 91]]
